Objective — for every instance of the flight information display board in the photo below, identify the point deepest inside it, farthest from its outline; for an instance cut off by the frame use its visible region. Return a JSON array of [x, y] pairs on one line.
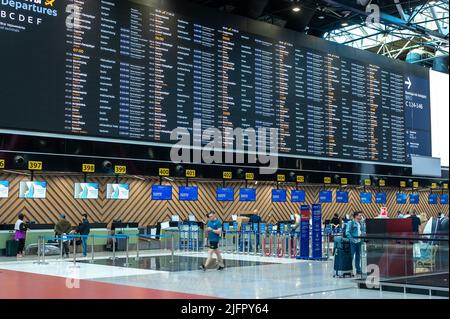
[[125, 71]]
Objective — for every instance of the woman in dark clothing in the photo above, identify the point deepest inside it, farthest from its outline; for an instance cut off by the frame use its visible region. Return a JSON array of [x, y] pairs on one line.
[[20, 234], [335, 222]]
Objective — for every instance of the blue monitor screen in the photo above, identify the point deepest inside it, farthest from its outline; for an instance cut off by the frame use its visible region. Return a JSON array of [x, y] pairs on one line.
[[278, 195], [189, 193], [444, 199], [365, 198], [414, 198], [160, 192], [247, 194], [225, 194], [401, 198], [432, 199], [341, 197], [325, 197], [381, 198], [298, 196]]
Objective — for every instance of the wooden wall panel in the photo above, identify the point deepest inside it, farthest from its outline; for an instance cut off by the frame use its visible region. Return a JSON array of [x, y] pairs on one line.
[[140, 208]]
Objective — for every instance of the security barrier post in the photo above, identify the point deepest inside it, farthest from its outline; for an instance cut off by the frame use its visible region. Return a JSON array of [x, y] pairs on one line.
[[137, 248], [38, 251], [197, 238], [74, 252], [43, 252], [61, 244], [126, 262], [92, 250], [114, 248], [172, 249]]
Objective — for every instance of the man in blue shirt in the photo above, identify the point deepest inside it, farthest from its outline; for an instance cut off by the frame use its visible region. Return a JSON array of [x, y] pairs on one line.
[[214, 229], [354, 230]]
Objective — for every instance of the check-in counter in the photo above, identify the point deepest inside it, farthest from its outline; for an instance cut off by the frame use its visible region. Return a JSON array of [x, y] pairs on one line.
[[6, 233], [229, 235], [184, 235], [166, 240], [98, 229], [36, 230], [126, 229]]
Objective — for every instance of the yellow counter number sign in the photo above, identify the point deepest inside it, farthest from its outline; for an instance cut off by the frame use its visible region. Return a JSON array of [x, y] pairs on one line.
[[382, 182], [344, 181], [2, 163], [300, 179], [402, 184], [227, 175], [120, 169], [249, 176], [281, 178], [164, 172], [367, 182], [88, 168], [416, 184], [35, 166], [327, 180], [190, 173]]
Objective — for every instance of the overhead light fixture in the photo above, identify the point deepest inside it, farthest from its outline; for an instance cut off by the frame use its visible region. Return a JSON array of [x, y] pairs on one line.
[[296, 6], [344, 23], [321, 17]]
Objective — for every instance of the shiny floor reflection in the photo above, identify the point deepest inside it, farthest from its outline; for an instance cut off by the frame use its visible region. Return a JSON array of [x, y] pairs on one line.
[[171, 263]]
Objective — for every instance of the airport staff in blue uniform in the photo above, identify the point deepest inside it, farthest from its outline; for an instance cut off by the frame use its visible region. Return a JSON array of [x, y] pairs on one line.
[[214, 228]]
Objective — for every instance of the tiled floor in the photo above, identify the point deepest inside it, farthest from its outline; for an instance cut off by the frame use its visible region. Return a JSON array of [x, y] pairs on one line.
[[250, 277]]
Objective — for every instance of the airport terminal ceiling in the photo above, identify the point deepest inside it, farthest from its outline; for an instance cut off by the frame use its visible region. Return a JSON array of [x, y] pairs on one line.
[[107, 84]]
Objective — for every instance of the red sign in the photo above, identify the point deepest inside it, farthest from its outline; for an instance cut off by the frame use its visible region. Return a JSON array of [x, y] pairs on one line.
[[383, 211], [305, 212]]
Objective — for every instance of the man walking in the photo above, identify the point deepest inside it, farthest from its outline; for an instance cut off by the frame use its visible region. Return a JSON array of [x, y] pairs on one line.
[[214, 229]]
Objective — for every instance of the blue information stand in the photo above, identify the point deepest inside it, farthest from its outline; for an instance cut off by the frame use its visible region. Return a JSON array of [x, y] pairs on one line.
[[305, 213], [316, 232]]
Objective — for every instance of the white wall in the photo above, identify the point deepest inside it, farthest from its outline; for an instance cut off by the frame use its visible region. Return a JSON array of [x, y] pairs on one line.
[[439, 115]]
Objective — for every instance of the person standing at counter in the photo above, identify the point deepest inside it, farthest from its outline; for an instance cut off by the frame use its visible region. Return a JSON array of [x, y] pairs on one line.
[[415, 222], [84, 229], [20, 229], [335, 223], [63, 228]]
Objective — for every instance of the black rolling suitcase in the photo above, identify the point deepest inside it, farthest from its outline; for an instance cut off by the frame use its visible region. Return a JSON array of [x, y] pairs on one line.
[[11, 248], [342, 257]]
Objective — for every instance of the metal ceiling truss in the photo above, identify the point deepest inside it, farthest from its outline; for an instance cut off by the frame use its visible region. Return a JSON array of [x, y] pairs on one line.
[[433, 17]]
